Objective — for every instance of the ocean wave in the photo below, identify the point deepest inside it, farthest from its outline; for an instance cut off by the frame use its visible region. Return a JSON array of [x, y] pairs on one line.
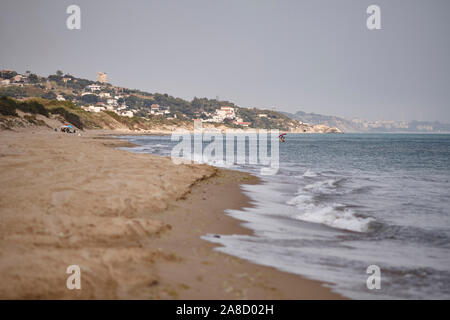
[[435, 238], [301, 199], [335, 216], [341, 219], [148, 148], [324, 186]]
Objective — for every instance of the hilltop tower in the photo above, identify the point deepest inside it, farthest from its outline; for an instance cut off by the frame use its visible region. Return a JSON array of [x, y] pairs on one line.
[[102, 77]]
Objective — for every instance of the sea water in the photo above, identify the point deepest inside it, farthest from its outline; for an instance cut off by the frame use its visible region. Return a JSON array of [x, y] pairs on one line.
[[340, 203]]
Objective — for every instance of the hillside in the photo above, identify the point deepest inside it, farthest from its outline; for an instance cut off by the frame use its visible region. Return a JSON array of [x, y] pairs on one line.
[[331, 121], [35, 112], [100, 104]]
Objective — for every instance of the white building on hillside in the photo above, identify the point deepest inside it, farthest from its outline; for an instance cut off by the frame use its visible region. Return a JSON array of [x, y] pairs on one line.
[[128, 114], [104, 95], [93, 108], [222, 114], [111, 102], [94, 87]]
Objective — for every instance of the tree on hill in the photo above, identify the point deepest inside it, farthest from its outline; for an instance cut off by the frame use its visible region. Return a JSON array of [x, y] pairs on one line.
[[89, 98], [7, 74], [32, 78], [133, 101], [13, 91], [50, 95], [78, 84]]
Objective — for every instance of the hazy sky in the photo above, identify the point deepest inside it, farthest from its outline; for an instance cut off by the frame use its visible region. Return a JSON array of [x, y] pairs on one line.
[[315, 56]]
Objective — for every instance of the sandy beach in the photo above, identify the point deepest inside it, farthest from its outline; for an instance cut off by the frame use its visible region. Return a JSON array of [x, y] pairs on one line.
[[132, 222]]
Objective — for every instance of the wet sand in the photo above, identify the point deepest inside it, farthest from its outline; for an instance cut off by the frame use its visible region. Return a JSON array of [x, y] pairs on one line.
[[132, 222]]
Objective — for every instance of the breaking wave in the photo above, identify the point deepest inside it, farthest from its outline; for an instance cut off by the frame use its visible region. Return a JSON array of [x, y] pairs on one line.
[[340, 219], [333, 215]]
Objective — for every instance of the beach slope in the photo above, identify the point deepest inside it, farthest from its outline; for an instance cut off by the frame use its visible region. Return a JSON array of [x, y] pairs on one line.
[[131, 222]]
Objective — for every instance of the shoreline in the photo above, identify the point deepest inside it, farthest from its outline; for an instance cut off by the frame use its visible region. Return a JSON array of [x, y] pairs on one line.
[[137, 244]]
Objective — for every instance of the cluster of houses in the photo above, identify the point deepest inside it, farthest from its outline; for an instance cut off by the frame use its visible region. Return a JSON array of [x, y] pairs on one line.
[[225, 112], [112, 103], [17, 80], [156, 110]]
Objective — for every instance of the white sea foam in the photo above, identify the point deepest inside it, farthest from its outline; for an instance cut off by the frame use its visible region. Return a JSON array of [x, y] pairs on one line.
[[341, 219], [148, 148], [301, 199], [324, 186], [329, 215], [309, 174]]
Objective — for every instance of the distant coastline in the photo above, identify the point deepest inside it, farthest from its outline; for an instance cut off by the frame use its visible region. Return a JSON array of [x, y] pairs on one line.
[[367, 126]]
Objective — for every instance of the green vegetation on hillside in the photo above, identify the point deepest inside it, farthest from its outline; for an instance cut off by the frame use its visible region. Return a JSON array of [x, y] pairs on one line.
[[138, 102], [71, 88], [68, 112]]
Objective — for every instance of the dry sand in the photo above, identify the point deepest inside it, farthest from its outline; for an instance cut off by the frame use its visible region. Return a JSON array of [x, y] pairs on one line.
[[132, 222]]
